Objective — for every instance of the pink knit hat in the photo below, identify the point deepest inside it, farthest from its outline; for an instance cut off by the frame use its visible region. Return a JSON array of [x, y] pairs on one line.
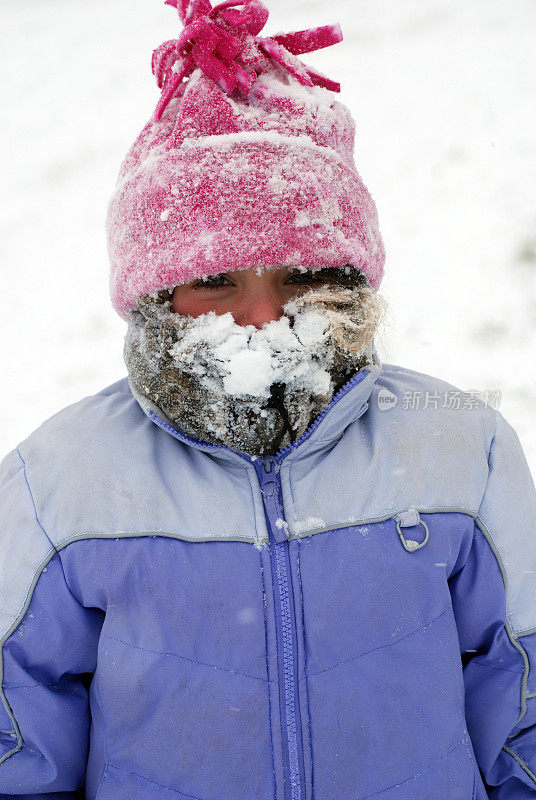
[[247, 161]]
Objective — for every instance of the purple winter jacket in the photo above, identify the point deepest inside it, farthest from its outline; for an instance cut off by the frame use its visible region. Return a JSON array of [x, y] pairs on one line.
[[353, 619]]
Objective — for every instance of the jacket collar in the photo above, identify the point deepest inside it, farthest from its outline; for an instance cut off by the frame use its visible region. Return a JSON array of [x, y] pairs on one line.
[[347, 406]]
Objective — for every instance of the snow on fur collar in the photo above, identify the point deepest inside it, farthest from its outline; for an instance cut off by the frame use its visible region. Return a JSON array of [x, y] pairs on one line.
[[254, 390]]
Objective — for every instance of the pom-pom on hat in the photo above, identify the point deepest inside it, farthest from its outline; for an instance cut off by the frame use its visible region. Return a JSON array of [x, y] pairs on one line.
[[248, 161]]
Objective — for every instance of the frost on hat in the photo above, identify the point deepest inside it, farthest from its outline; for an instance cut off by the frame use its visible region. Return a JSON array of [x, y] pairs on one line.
[[247, 161]]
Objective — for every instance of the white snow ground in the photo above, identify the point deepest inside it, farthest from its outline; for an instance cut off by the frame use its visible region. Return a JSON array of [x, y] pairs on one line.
[[443, 94]]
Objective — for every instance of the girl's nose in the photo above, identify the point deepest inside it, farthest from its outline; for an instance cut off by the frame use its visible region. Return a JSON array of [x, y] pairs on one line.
[[260, 308]]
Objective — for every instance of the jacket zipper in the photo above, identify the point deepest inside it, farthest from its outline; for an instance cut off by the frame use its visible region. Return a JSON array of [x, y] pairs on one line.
[[285, 625], [284, 611]]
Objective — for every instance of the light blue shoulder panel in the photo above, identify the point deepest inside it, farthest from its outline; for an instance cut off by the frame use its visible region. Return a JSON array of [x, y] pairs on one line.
[[110, 471], [508, 514], [392, 458]]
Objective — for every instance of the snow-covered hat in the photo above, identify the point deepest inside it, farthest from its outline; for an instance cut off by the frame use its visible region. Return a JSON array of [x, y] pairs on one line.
[[247, 161]]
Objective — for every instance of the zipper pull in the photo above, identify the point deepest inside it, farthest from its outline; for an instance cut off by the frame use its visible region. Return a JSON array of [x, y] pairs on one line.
[[269, 468], [270, 494], [273, 509]]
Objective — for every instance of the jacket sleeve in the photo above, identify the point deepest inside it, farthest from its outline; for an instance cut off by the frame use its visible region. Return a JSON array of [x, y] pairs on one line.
[[48, 646], [494, 601]]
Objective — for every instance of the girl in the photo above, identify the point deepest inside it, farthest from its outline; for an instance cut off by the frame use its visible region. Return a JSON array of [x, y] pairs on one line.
[[266, 566]]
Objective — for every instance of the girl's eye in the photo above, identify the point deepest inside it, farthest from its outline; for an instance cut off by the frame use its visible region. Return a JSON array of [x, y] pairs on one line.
[[212, 282], [303, 277]]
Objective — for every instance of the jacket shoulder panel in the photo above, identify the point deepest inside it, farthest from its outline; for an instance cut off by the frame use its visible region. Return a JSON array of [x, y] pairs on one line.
[[395, 457], [101, 468], [507, 516], [432, 445]]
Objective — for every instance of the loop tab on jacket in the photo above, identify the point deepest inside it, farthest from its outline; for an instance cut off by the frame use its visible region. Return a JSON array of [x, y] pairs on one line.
[[410, 519]]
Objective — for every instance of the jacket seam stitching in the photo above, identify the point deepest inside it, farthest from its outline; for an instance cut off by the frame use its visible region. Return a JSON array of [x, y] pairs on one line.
[[511, 752], [472, 760], [155, 783], [185, 658], [56, 551], [31, 750], [525, 631], [258, 539], [291, 490], [305, 671], [32, 686], [104, 735], [268, 681], [380, 647], [512, 637], [301, 760], [102, 777], [357, 523], [82, 535], [25, 470], [501, 669], [417, 774]]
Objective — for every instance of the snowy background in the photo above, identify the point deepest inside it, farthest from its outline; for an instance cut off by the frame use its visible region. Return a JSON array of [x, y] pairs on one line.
[[443, 92]]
